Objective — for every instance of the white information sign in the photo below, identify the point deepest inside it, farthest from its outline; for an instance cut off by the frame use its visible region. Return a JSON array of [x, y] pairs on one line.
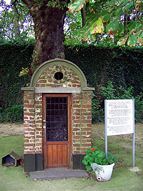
[[119, 120], [119, 116]]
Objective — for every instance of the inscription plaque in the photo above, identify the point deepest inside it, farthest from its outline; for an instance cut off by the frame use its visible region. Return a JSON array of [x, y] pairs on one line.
[[119, 117], [120, 120]]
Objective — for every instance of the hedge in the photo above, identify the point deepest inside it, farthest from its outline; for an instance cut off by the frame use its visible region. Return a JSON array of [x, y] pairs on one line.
[[121, 66]]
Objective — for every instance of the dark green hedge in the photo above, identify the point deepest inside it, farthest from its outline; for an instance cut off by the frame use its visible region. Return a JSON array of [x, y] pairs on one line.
[[12, 59], [122, 66], [12, 114]]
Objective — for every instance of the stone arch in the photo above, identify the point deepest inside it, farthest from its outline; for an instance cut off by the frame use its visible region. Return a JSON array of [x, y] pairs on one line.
[[62, 62]]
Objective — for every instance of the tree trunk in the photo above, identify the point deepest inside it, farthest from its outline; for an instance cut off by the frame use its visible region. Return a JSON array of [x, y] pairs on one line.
[[83, 16], [16, 22], [84, 13], [49, 33]]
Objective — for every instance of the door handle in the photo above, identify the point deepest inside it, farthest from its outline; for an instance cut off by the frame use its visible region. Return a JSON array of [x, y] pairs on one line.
[[44, 121]]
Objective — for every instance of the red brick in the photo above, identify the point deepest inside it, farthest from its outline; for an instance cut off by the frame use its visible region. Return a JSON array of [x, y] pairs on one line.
[[39, 144], [38, 94], [87, 129], [77, 133], [28, 144], [76, 145], [89, 125], [25, 101], [26, 125], [29, 114], [76, 129], [86, 145], [28, 106], [31, 133], [31, 110], [38, 136], [38, 102], [29, 97], [41, 81], [38, 106], [83, 133], [77, 121], [76, 137], [76, 106], [86, 106], [76, 152], [29, 152]]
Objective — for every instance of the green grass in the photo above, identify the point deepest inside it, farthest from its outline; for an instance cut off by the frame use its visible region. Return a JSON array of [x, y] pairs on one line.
[[14, 179], [11, 143], [121, 146]]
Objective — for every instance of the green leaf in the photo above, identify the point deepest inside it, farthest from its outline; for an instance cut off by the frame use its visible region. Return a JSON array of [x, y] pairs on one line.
[[97, 27], [77, 5], [122, 41], [128, 5], [132, 26], [106, 17], [113, 26], [119, 11], [84, 162], [132, 40], [88, 168]]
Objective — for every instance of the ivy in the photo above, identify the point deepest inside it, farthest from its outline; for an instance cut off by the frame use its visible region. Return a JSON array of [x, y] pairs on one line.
[[100, 64]]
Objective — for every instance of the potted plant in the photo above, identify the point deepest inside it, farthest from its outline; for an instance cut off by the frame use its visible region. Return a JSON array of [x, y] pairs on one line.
[[96, 160]]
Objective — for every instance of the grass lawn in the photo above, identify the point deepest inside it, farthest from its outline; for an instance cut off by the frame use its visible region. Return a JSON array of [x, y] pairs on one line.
[[14, 179]]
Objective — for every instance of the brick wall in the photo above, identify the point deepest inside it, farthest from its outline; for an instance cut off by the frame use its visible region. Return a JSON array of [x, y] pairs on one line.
[[81, 122], [29, 122], [38, 122], [47, 79]]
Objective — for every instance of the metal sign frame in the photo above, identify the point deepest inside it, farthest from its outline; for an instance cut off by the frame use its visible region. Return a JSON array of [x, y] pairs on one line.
[[133, 127]]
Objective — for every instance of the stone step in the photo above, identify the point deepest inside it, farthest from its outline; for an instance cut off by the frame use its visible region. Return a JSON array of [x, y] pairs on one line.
[[57, 173]]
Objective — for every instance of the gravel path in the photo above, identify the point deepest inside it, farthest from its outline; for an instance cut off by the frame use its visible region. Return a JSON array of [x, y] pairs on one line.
[[11, 129]]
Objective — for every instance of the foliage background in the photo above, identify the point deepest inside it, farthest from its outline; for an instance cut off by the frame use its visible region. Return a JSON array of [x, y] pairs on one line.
[[121, 66]]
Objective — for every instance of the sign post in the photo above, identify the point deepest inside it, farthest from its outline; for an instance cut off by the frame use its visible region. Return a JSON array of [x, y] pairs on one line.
[[120, 120]]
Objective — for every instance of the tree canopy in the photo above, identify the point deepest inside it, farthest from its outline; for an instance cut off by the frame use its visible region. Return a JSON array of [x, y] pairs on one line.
[[123, 20], [119, 21], [16, 22]]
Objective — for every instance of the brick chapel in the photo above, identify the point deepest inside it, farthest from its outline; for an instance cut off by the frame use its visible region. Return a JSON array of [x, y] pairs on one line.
[[57, 117]]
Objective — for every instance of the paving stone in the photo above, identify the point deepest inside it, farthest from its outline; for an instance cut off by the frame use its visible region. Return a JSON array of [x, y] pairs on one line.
[[57, 173]]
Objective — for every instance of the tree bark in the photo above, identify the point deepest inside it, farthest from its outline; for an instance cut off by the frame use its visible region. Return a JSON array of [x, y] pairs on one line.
[[84, 13], [83, 16], [16, 21], [49, 33]]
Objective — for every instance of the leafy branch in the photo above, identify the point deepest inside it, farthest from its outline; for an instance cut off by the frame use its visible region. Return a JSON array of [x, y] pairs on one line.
[[137, 12]]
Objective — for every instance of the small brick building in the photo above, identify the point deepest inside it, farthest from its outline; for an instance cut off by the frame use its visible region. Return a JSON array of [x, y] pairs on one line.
[[57, 117]]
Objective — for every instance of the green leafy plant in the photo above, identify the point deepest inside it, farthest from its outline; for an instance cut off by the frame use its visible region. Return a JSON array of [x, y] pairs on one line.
[[12, 114], [110, 92], [95, 155], [97, 111], [139, 107]]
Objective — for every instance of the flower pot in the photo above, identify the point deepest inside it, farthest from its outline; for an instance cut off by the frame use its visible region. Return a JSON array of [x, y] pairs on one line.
[[103, 172]]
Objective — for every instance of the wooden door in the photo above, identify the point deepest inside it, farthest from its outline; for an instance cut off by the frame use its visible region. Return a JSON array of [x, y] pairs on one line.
[[56, 119]]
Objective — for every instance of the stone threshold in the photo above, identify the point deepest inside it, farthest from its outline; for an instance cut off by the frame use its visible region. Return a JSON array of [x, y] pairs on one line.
[[57, 173]]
